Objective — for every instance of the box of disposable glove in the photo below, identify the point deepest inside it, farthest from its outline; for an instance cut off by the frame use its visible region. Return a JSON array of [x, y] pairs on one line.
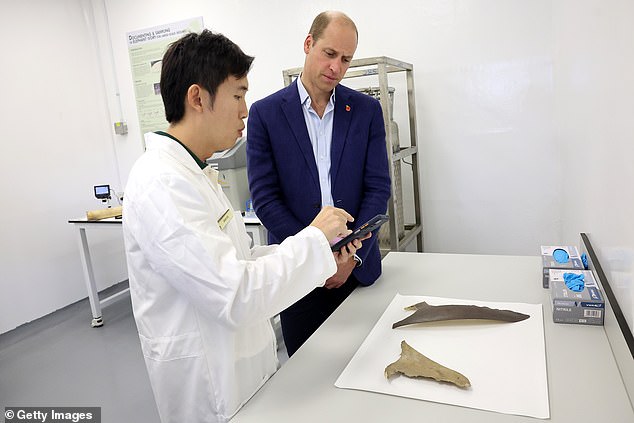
[[576, 297], [559, 257]]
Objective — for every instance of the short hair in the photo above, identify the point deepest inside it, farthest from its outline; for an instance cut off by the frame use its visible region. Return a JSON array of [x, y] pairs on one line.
[[322, 20], [206, 59]]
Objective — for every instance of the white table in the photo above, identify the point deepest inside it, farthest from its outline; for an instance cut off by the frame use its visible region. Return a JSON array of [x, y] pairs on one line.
[[253, 225], [86, 260], [583, 379]]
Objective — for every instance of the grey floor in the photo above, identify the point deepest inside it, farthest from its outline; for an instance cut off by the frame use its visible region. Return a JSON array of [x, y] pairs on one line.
[[60, 360]]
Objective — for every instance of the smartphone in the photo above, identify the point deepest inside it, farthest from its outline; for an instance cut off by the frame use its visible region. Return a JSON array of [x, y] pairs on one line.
[[369, 226]]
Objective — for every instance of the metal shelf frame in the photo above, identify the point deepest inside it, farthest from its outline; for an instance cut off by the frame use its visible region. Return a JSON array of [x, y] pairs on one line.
[[382, 66]]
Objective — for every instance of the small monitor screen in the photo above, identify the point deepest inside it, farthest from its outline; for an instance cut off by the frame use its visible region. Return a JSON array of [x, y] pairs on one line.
[[102, 191]]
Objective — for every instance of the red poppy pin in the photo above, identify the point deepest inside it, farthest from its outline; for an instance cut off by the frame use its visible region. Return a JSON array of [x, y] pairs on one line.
[[347, 108]]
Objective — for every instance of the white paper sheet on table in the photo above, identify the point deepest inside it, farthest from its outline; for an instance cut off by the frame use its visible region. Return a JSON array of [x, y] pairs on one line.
[[505, 362]]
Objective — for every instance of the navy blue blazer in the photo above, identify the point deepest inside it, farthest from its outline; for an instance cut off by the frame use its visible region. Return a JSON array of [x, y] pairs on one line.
[[282, 171]]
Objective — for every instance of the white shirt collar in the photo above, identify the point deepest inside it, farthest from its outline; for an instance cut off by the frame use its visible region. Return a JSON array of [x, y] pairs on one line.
[[304, 97]]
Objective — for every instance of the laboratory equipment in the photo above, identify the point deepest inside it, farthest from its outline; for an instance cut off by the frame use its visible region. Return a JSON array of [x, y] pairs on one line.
[[102, 192], [231, 165], [249, 211], [397, 181]]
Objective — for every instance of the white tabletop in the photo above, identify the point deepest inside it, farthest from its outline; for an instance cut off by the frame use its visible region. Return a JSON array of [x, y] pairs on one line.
[[583, 380]]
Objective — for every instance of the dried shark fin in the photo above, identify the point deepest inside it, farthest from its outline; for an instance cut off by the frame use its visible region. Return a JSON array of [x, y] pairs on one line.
[[414, 364], [427, 313]]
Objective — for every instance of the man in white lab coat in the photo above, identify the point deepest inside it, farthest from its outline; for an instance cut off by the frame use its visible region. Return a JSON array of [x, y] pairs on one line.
[[202, 298]]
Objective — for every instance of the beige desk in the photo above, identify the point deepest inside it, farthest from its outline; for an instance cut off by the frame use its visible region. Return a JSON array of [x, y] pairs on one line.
[[303, 389]]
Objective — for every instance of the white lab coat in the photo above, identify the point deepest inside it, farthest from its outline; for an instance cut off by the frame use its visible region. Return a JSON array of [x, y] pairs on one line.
[[202, 299]]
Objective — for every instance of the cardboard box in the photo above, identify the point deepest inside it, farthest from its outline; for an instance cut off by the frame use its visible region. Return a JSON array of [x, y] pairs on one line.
[[586, 307], [549, 262]]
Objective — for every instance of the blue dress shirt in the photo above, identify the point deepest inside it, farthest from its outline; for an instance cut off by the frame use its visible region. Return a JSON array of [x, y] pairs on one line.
[[320, 133]]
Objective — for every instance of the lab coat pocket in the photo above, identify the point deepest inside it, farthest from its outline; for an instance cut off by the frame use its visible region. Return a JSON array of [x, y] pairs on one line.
[[171, 347]]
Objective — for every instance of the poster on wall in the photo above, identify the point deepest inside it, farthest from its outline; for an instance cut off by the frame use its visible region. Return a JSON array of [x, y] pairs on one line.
[[146, 48]]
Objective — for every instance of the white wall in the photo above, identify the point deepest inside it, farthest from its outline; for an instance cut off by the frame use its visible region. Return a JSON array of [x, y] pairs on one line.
[[485, 100], [594, 106], [55, 146], [514, 99]]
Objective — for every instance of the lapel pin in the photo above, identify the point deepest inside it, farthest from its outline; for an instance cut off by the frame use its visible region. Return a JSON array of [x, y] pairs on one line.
[[347, 108]]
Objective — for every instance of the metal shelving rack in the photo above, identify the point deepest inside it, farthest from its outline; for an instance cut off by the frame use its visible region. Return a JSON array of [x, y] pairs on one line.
[[400, 234]]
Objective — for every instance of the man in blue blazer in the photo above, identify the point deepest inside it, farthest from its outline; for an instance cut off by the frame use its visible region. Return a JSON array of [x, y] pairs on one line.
[[317, 143]]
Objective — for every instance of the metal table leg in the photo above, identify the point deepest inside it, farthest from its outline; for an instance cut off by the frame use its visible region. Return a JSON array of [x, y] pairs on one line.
[[89, 277]]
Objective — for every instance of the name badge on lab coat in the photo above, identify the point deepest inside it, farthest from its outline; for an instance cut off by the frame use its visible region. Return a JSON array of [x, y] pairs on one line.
[[225, 218]]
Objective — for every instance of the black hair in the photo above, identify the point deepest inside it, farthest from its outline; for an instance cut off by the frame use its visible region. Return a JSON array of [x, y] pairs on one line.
[[206, 59]]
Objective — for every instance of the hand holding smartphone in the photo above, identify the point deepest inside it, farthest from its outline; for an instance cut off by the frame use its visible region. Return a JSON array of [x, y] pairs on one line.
[[369, 226]]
